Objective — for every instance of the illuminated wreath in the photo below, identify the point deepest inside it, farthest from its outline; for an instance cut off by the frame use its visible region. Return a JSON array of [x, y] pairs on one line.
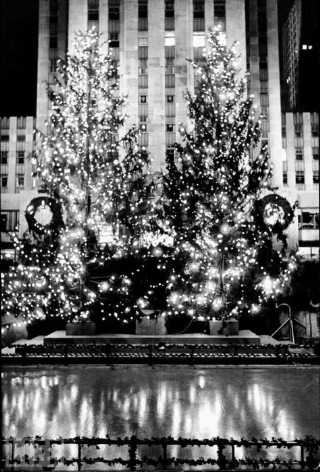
[[56, 222], [274, 213]]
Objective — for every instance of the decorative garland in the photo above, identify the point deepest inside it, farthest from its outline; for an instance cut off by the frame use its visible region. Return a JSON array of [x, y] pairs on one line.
[[309, 444], [55, 224]]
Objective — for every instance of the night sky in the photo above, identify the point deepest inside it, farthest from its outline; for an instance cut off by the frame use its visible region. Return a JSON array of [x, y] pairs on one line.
[[18, 56], [19, 43]]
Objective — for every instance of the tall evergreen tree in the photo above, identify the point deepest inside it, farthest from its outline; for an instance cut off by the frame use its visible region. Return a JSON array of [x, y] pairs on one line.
[[86, 177], [211, 186]]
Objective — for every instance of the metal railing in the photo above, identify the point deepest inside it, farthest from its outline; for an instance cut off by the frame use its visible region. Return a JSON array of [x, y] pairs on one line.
[[162, 353], [223, 454]]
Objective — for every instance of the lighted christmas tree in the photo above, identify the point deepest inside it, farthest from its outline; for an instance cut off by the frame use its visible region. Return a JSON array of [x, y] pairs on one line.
[[88, 180], [211, 188]]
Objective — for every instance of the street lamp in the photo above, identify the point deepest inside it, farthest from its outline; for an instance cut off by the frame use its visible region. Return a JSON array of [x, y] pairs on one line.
[[289, 320]]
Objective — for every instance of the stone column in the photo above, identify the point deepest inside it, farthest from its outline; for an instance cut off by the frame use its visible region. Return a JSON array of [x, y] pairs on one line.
[[184, 50], [43, 64], [78, 20], [129, 59], [275, 139], [236, 29], [156, 72]]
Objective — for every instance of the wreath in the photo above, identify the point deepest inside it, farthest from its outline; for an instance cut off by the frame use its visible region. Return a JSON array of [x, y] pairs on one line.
[[274, 213], [56, 222]]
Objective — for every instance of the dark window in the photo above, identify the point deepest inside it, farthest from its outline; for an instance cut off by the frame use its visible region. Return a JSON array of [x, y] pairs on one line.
[[4, 181], [4, 157], [169, 15], [3, 222], [219, 8], [93, 10], [169, 8], [143, 8], [20, 157], [142, 15], [170, 128], [299, 155], [198, 8], [170, 153], [299, 177], [143, 98], [114, 10], [315, 153]]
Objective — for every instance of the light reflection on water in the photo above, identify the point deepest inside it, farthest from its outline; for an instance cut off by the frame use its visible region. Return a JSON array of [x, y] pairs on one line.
[[162, 401]]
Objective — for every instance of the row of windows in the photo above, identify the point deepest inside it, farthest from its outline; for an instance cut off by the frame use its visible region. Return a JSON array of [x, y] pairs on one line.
[[4, 156], [114, 15], [300, 178], [19, 184]]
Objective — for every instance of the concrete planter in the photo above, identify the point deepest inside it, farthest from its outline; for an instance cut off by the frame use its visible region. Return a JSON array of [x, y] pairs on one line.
[[81, 329], [151, 326], [224, 328]]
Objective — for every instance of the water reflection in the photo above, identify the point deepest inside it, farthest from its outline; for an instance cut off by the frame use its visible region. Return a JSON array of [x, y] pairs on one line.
[[177, 401]]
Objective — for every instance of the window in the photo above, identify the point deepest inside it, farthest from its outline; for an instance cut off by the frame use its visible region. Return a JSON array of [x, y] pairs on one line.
[[309, 219], [198, 15], [285, 173], [53, 43], [142, 15], [170, 106], [170, 66], [299, 154], [143, 66], [114, 40], [297, 122], [316, 176], [299, 177], [315, 153], [4, 138], [4, 183], [143, 127], [170, 153], [314, 125], [220, 13], [4, 157], [4, 122], [93, 10], [143, 108], [21, 122], [19, 182], [169, 15], [264, 87], [9, 220], [20, 157], [114, 10], [170, 128]]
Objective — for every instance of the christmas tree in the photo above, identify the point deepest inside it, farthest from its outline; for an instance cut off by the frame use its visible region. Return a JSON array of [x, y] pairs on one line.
[[211, 189], [90, 184]]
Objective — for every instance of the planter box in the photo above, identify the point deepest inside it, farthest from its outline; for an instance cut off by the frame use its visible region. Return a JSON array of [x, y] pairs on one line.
[[80, 329], [151, 326], [231, 328]]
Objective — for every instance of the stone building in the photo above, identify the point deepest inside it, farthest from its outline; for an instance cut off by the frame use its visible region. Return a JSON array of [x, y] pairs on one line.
[[151, 40]]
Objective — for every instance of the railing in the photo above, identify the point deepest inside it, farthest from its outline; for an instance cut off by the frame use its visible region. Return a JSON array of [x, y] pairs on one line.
[[162, 353], [223, 454]]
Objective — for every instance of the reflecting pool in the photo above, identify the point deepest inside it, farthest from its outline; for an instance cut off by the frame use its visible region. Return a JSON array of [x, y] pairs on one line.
[[161, 401], [185, 401]]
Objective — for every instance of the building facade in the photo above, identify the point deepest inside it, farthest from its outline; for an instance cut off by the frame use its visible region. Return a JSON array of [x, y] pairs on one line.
[[152, 40]]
